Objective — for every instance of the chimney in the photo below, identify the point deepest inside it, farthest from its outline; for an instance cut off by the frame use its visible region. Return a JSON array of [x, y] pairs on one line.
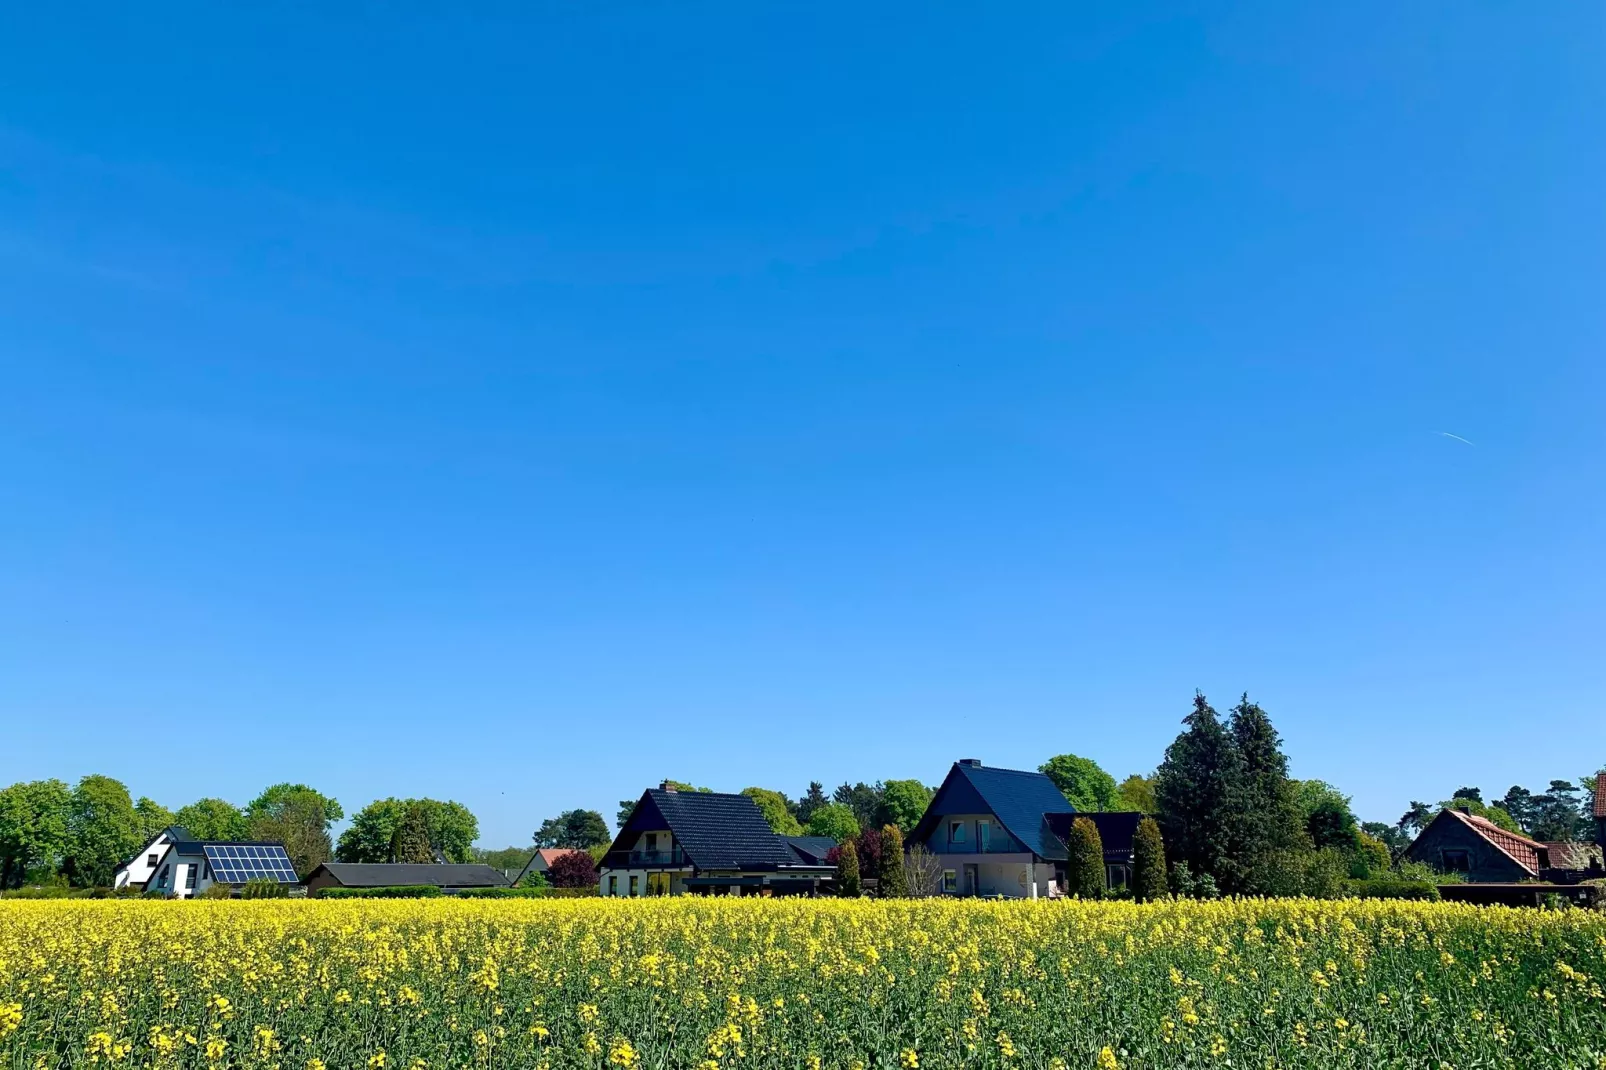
[[974, 763], [666, 786]]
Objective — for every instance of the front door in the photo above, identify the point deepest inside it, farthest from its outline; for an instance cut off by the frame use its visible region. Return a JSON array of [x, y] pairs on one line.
[[971, 881]]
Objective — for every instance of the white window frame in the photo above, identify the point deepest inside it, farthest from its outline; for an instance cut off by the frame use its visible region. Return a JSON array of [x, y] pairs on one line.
[[956, 832], [950, 881]]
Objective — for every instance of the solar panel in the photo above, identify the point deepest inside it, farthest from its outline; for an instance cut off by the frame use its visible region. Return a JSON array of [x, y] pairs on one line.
[[236, 865]]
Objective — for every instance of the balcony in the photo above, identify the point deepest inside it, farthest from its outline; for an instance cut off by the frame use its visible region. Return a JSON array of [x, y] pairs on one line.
[[672, 857], [996, 847]]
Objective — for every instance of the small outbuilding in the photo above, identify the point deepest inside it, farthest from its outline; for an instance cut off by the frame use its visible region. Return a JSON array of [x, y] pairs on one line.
[[1477, 848], [449, 877]]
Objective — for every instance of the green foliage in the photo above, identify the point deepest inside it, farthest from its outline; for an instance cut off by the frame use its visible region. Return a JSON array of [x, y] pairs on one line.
[[1135, 794], [1266, 822], [33, 829], [299, 819], [581, 829], [894, 882], [212, 819], [1148, 862], [1084, 864], [449, 827], [276, 797], [903, 803], [262, 888], [1197, 790], [1083, 783], [834, 820], [777, 811], [811, 801], [1327, 816], [1188, 885], [395, 891], [102, 830], [1481, 809], [523, 892], [1373, 857], [1393, 838], [153, 818], [864, 800], [410, 842], [1325, 873], [217, 891], [1392, 888], [847, 871]]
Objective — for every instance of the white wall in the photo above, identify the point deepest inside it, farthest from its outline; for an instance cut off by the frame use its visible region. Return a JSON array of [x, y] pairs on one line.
[[140, 869], [178, 868]]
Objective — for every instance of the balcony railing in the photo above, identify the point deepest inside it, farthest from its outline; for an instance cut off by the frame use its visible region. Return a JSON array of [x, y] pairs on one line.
[[996, 847], [673, 857]]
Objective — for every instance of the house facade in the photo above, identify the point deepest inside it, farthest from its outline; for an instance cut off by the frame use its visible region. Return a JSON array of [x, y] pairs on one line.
[[176, 864], [704, 843], [542, 860], [1478, 849], [1118, 832], [991, 832]]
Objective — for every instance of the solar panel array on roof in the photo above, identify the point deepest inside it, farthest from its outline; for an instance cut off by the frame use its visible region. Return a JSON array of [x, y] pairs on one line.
[[238, 863]]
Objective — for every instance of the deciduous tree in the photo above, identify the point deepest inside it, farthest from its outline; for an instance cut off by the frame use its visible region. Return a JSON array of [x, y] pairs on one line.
[[581, 829], [777, 811], [903, 803], [573, 870], [1135, 794], [102, 830], [410, 842], [1083, 783], [211, 819], [834, 820], [33, 829], [300, 821], [451, 829], [153, 818]]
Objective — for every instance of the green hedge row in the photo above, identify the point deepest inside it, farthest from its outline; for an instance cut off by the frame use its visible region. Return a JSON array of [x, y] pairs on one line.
[[398, 891], [1383, 888]]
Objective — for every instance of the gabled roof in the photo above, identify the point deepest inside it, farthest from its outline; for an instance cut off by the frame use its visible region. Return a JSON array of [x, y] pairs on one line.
[[1573, 855], [1520, 849], [396, 874], [715, 830], [1021, 801], [1600, 795], [811, 850]]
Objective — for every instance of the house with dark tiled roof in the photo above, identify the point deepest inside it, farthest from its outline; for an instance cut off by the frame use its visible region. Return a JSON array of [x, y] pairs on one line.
[[1459, 842], [707, 843], [1118, 831], [993, 832]]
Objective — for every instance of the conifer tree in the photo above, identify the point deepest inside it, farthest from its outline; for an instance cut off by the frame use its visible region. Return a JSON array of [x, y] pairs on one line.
[[1267, 822], [847, 871], [894, 881], [410, 843], [1197, 790], [1084, 868], [1148, 862]]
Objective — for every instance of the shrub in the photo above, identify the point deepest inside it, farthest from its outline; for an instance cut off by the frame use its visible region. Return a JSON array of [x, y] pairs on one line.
[[263, 888], [544, 892], [1188, 886], [1148, 862], [1390, 888], [573, 870], [217, 891], [394, 891], [1084, 866], [847, 871], [894, 882]]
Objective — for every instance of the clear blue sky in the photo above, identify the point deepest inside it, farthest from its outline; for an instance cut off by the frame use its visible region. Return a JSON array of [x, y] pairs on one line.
[[523, 406]]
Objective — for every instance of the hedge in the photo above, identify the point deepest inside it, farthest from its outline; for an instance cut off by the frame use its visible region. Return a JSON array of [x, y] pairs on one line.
[[396, 891], [1383, 888]]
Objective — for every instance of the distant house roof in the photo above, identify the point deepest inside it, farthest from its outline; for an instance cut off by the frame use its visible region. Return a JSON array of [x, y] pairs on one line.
[[550, 855], [1021, 800], [1520, 849], [1117, 831], [395, 874], [715, 830], [1600, 795], [811, 850], [1572, 855]]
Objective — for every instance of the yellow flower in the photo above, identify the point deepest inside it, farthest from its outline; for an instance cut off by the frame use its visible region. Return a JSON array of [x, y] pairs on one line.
[[215, 1047], [1107, 1060], [909, 1060], [621, 1053]]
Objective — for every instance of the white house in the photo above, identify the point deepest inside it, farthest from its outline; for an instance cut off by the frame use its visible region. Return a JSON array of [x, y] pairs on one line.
[[992, 832], [176, 864]]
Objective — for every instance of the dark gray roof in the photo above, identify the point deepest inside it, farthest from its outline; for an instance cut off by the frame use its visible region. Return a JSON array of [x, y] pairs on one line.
[[1117, 831], [1021, 800], [719, 831], [811, 849], [395, 874]]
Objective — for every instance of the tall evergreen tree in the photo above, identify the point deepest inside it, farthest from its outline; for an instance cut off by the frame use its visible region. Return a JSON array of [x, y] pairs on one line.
[[894, 881], [410, 841], [847, 871], [811, 801], [1148, 863], [1197, 789], [1084, 866], [1267, 822]]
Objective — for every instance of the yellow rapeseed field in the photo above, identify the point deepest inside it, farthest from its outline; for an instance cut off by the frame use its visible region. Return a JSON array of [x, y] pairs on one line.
[[718, 984]]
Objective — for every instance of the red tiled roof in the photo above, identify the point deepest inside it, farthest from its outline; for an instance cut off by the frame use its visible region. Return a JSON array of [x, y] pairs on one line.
[[1573, 855], [1600, 795], [1521, 849], [550, 855]]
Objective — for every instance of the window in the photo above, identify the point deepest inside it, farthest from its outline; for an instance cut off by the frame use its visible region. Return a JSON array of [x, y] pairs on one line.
[[652, 842], [950, 881], [1456, 859], [161, 878], [189, 876], [152, 859], [1115, 876], [956, 832], [613, 884], [208, 873], [984, 834], [635, 885]]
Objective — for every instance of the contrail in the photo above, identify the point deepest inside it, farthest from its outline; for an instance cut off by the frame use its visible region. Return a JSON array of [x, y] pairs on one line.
[[1458, 438]]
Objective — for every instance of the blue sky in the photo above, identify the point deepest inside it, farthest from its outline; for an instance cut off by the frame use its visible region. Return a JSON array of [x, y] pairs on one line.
[[522, 405]]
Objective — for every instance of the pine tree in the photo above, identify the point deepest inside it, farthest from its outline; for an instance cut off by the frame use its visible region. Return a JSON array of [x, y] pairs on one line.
[[1267, 824], [410, 843], [1196, 789], [1084, 867], [1148, 862], [847, 871], [894, 881]]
